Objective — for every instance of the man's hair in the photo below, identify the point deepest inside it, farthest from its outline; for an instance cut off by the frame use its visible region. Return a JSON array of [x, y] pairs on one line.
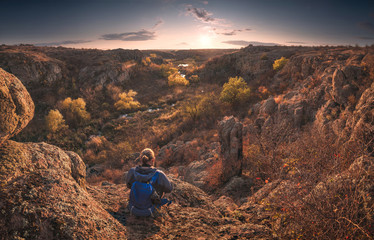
[[146, 156]]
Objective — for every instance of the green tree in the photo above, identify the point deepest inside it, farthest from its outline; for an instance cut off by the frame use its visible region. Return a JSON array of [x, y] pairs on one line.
[[55, 121], [127, 101], [280, 63], [235, 91]]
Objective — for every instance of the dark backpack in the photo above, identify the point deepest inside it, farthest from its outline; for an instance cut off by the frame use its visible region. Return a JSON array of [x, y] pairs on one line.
[[141, 197]]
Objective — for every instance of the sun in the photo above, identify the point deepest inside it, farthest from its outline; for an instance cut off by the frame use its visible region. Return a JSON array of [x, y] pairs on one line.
[[205, 41]]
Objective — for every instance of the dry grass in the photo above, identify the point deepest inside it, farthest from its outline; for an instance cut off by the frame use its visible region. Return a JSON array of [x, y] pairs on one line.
[[326, 201], [110, 175]]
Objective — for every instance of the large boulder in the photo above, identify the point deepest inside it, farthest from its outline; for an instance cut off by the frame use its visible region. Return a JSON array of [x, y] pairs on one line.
[[268, 107], [16, 106], [341, 87], [230, 132], [43, 196]]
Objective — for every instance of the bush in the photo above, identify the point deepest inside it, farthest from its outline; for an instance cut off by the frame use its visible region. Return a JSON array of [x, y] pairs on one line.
[[280, 63], [235, 92], [127, 101], [177, 80], [167, 70], [55, 121], [100, 150], [322, 199], [264, 57], [194, 78], [75, 111], [206, 108]]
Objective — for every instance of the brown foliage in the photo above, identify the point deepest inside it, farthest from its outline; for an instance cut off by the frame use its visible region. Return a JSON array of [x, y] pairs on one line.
[[215, 175], [109, 174], [324, 203]]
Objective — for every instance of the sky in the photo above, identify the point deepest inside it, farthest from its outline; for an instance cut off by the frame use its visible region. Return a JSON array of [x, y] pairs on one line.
[[185, 24]]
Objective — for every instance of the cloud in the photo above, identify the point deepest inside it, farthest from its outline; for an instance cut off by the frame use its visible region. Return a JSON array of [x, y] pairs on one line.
[[367, 26], [200, 14], [203, 15], [246, 43], [67, 42], [183, 44], [142, 35], [205, 2], [366, 38], [227, 32], [158, 23]]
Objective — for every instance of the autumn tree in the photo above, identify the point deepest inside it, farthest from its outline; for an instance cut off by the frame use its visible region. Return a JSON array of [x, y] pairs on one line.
[[127, 102], [280, 63], [177, 80], [55, 121], [235, 91], [205, 108], [75, 111], [166, 70]]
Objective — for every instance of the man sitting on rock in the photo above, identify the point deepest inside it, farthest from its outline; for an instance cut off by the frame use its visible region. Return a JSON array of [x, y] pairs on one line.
[[147, 186]]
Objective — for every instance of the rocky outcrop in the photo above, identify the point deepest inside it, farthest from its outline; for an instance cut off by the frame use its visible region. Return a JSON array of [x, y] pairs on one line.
[[227, 154], [16, 106], [324, 89], [192, 213], [343, 81], [104, 74], [43, 196], [360, 125], [32, 67], [230, 132], [179, 153], [268, 106], [198, 159], [251, 63], [45, 66]]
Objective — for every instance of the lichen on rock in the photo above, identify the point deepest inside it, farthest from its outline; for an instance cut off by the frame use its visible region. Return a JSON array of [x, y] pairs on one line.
[[16, 106]]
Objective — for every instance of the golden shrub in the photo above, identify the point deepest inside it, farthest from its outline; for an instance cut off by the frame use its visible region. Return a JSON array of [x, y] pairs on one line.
[[75, 110], [127, 101], [177, 80], [280, 63], [55, 121]]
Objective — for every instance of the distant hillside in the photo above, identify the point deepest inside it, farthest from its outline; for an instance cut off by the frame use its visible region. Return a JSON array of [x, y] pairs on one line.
[[50, 66], [199, 55]]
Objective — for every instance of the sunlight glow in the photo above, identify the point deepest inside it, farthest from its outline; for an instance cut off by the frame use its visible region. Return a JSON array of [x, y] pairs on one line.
[[205, 41]]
